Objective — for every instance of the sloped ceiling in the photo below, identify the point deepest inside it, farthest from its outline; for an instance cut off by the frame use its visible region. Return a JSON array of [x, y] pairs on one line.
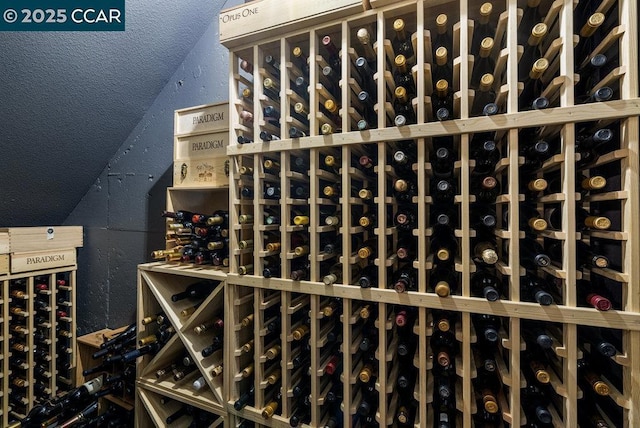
[[69, 100]]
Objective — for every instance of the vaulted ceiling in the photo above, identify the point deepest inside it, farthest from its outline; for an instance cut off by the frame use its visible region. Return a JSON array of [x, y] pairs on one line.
[[68, 101]]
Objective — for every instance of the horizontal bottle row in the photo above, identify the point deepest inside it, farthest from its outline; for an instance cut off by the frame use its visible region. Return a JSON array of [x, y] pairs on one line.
[[41, 339], [412, 217], [380, 71], [330, 362]]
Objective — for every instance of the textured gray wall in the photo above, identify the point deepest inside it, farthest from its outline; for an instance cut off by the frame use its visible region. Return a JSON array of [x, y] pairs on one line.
[[121, 211], [69, 100]]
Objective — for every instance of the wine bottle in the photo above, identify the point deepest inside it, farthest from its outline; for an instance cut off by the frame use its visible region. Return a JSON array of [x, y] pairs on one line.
[[405, 279], [443, 36], [444, 347], [443, 281], [401, 42], [532, 51], [405, 115], [442, 159], [591, 379], [588, 184], [530, 218], [406, 247], [405, 219], [368, 277], [534, 149], [530, 17], [593, 295], [272, 65], [404, 190], [532, 254], [593, 340], [483, 218], [535, 405], [589, 34], [485, 152], [442, 69], [584, 220], [588, 144], [591, 75], [485, 188], [272, 406], [369, 117], [300, 271], [443, 191], [197, 290], [485, 284], [484, 252], [403, 161], [484, 63], [333, 53], [484, 28], [484, 101], [531, 291], [487, 327], [531, 97], [444, 246], [443, 101]]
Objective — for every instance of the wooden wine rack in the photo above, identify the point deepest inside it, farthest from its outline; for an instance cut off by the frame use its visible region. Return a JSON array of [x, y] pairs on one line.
[[58, 378], [253, 294], [158, 281]]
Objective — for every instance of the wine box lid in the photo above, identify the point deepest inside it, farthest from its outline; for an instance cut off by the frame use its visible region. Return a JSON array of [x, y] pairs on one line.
[[265, 18], [22, 239], [42, 259], [201, 119]]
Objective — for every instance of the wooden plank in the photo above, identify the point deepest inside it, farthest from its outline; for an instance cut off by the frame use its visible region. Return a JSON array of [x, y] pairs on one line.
[[504, 308], [528, 119]]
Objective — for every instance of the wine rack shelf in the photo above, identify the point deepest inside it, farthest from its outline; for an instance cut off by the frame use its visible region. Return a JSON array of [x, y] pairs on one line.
[[38, 337], [338, 203], [157, 283]]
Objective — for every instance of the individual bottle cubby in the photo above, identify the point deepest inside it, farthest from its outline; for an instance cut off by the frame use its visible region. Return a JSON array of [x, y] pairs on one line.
[[242, 218], [597, 57], [181, 344], [297, 87], [242, 83]]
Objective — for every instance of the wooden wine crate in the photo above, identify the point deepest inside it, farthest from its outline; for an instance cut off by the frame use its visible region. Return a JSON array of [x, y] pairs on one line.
[[202, 119], [39, 260], [23, 239], [210, 172], [200, 143], [265, 18]]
